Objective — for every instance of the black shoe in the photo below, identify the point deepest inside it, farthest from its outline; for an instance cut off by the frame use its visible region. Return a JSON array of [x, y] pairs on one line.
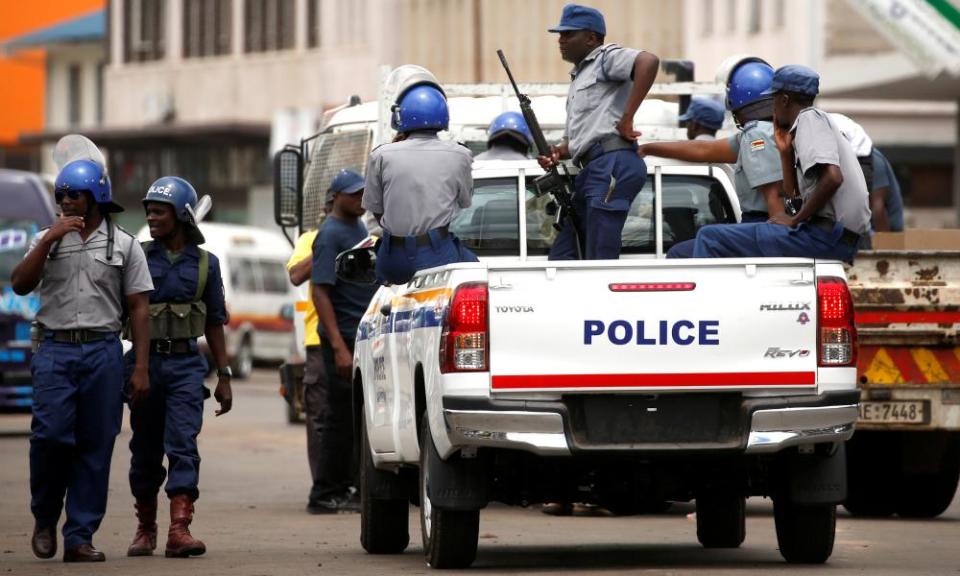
[[44, 542], [83, 553], [336, 504]]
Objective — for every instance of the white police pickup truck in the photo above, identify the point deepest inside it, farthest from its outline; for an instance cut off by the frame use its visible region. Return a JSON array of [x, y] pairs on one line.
[[627, 384]]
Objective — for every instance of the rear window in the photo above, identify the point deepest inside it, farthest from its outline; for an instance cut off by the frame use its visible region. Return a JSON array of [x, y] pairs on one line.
[[490, 226]]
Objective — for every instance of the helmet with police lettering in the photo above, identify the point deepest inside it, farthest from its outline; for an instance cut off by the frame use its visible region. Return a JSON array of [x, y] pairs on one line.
[[180, 194], [746, 77], [423, 107], [87, 176], [510, 125]]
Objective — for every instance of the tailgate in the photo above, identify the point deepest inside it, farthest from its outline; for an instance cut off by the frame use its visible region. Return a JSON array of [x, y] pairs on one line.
[[653, 327]]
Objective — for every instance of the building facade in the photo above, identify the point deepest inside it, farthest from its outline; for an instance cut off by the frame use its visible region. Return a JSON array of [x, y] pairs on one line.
[[192, 86], [864, 74]]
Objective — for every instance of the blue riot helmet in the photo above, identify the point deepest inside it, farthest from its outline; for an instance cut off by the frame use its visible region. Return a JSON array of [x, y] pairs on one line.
[[510, 125], [423, 107], [87, 176], [180, 194], [746, 78]]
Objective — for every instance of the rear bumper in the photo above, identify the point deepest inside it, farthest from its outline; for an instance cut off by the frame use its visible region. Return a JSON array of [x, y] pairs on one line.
[[757, 426]]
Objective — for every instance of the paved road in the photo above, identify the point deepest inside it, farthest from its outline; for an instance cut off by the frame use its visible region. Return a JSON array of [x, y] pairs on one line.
[[253, 488]]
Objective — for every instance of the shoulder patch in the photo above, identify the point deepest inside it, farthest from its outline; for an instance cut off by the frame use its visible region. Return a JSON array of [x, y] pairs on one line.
[[757, 145]]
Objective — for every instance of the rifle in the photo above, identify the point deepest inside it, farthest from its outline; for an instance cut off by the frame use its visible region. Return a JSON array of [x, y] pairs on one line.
[[554, 182]]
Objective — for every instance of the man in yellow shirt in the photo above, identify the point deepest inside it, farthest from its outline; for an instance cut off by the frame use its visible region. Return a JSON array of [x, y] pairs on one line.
[[300, 267]]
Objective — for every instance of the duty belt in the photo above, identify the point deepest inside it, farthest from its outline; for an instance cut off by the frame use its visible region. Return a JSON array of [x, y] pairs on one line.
[[849, 237], [184, 346], [601, 147], [78, 336], [422, 239]]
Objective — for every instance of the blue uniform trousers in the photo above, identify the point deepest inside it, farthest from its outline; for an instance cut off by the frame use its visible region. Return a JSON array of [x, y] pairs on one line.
[[167, 423], [749, 240], [397, 264], [685, 249], [77, 411], [605, 189]]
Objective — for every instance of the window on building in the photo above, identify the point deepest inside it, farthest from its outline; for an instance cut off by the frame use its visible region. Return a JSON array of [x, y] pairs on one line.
[[756, 16], [707, 14], [207, 27], [101, 66], [144, 30], [270, 25], [731, 16], [780, 13], [314, 21], [74, 94]]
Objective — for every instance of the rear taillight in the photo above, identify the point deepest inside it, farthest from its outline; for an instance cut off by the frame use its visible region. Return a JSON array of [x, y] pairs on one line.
[[464, 346], [837, 342]]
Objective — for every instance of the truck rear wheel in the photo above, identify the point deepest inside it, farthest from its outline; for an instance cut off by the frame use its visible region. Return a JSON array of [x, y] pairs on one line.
[[871, 481], [805, 533], [384, 523], [721, 520], [449, 536], [929, 495]]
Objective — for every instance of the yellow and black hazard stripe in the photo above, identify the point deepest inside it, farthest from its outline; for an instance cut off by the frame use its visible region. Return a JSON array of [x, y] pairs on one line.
[[890, 365]]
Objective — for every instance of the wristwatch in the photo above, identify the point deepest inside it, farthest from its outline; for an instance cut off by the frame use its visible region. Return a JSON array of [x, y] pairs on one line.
[[225, 371]]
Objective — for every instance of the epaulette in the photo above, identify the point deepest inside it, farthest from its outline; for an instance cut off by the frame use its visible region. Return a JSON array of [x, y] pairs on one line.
[[379, 146], [124, 230], [463, 144]]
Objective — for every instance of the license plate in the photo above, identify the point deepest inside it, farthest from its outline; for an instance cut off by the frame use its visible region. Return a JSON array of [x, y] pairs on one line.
[[895, 412]]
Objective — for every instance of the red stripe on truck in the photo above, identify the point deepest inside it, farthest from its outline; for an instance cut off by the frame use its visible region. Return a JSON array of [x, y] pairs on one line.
[[906, 317], [731, 379]]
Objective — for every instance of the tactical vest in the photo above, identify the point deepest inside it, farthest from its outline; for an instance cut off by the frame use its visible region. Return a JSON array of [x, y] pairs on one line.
[[181, 320]]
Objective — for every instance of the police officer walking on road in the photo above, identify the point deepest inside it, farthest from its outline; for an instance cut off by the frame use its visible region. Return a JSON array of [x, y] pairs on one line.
[[758, 176], [86, 271], [416, 184], [509, 138], [820, 166], [340, 305], [608, 85], [187, 303], [704, 117]]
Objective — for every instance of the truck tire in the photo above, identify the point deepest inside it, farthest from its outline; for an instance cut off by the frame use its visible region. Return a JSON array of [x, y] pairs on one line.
[[929, 495], [242, 364], [384, 523], [870, 483], [721, 520], [805, 533], [449, 536]]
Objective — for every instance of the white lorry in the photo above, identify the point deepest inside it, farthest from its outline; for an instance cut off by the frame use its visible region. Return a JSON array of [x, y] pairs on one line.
[[622, 383]]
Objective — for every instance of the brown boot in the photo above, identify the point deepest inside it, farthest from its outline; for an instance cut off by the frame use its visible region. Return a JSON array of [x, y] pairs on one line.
[[145, 541], [180, 544]]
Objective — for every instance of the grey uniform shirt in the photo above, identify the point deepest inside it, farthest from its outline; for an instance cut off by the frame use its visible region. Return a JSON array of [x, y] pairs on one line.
[[81, 288], [599, 88], [817, 140], [500, 153], [418, 184], [758, 164]]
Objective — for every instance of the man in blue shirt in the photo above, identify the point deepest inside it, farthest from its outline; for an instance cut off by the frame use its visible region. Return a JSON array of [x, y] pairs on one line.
[[886, 201], [187, 302], [340, 305]]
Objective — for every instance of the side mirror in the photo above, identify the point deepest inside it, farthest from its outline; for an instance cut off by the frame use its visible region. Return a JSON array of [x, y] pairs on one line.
[[357, 265], [287, 187]]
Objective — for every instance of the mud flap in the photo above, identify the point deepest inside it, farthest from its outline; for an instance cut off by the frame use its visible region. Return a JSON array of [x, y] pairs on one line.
[[815, 478], [456, 483]]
